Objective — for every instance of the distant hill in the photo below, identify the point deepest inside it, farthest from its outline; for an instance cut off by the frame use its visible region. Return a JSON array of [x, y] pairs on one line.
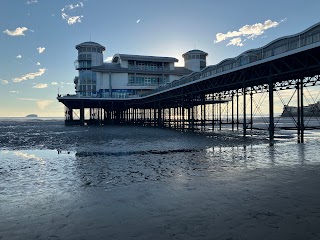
[[32, 116]]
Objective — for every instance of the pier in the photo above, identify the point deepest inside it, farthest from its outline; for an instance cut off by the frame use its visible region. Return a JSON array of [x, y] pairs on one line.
[[218, 95]]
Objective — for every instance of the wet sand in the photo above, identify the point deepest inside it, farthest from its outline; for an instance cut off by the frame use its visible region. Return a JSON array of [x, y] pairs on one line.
[[183, 190]]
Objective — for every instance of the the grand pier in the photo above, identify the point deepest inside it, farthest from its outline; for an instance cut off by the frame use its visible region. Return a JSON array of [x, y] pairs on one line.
[[197, 96]]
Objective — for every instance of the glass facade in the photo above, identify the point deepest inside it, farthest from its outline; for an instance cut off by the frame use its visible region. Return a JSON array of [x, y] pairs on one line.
[[90, 49], [117, 93], [87, 83], [146, 80], [83, 64], [150, 66], [195, 56]]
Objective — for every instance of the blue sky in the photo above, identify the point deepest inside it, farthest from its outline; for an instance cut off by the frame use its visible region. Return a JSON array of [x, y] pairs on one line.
[[38, 38]]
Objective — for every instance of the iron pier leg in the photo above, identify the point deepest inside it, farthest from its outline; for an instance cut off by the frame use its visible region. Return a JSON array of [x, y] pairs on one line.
[[99, 114], [302, 112], [81, 114], [112, 109], [174, 117], [220, 120], [201, 114], [192, 115], [182, 109], [204, 114], [213, 114], [154, 115], [244, 112], [189, 116], [299, 111], [271, 118], [169, 120], [251, 111], [227, 112], [71, 114], [232, 111], [237, 96]]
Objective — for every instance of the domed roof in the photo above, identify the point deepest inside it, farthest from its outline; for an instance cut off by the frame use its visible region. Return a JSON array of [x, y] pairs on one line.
[[90, 44], [195, 51]]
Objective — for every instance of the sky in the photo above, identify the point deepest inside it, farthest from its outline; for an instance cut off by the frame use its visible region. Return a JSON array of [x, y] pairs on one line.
[[38, 38]]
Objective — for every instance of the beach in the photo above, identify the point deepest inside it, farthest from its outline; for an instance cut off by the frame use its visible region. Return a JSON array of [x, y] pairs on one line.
[[134, 182]]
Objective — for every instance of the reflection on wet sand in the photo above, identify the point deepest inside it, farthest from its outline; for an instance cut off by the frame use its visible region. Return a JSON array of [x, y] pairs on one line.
[[29, 156], [144, 183]]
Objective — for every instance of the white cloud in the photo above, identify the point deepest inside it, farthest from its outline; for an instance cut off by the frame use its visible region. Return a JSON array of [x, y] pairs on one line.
[[4, 82], [19, 56], [138, 20], [14, 91], [41, 85], [44, 103], [32, 1], [74, 19], [247, 31], [18, 32], [41, 49], [236, 42], [54, 83], [109, 59], [27, 99], [38, 64], [30, 75], [72, 6], [71, 19], [31, 30]]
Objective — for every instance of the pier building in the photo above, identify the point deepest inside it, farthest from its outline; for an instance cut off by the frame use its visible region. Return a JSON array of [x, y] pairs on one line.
[[128, 75]]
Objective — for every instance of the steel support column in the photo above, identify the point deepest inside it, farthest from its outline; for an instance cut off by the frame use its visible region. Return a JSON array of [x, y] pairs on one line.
[[232, 111], [299, 111], [213, 115], [81, 114], [271, 113], [237, 96], [220, 113], [302, 112], [244, 112], [251, 111]]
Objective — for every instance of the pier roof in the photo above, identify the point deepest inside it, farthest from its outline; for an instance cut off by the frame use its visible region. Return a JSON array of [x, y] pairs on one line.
[[195, 51], [90, 44]]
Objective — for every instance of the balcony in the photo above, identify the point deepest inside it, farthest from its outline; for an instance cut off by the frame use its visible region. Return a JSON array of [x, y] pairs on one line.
[[82, 64]]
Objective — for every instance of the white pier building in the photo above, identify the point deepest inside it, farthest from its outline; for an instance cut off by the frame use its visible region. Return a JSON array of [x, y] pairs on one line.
[[128, 75]]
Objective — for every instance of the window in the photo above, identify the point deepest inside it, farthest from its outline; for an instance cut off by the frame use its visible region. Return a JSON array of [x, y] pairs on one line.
[[147, 81], [280, 49], [315, 37], [130, 64], [309, 40]]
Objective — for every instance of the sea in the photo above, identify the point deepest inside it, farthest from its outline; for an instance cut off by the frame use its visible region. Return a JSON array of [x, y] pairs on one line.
[[98, 182]]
